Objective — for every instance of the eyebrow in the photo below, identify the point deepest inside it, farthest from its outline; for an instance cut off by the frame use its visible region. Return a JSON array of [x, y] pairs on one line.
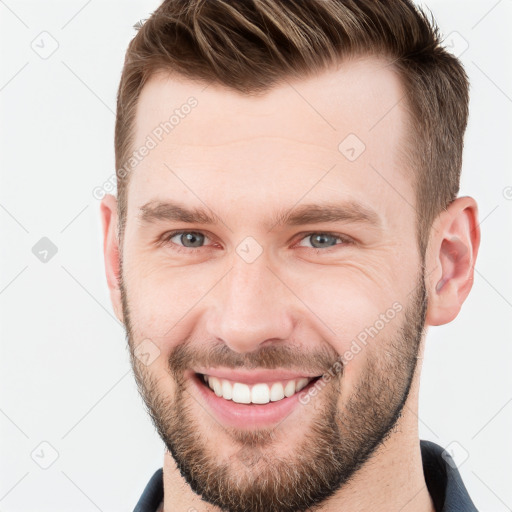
[[349, 211]]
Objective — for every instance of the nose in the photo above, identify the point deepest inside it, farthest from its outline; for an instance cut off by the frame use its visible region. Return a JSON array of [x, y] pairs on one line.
[[252, 307]]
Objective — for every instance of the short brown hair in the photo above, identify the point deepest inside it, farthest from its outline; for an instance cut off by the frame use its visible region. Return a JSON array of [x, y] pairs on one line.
[[251, 45]]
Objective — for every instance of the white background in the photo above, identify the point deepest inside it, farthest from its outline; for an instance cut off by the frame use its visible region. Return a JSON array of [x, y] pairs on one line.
[[64, 369]]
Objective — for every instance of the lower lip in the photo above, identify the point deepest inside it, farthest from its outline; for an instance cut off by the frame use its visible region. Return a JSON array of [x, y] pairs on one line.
[[247, 416]]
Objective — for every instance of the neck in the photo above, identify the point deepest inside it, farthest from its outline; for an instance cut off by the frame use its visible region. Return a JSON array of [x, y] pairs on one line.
[[392, 479]]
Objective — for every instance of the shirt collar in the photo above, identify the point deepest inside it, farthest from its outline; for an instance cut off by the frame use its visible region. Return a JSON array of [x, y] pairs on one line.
[[443, 480]]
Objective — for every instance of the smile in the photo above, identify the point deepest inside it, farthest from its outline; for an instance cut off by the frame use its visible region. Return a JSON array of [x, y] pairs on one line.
[[259, 393], [246, 400]]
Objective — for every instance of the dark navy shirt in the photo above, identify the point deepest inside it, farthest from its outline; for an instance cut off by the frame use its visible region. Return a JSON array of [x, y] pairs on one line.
[[441, 475]]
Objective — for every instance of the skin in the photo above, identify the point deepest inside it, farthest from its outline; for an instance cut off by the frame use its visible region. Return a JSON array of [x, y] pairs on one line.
[[246, 158]]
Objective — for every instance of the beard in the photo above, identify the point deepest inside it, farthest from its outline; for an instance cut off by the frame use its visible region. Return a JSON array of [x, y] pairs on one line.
[[337, 439]]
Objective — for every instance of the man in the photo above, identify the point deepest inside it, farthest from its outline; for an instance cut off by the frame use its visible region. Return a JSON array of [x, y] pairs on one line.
[[286, 227]]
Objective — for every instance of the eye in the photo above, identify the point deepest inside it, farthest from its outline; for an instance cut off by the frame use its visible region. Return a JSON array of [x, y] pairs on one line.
[[323, 240], [187, 239]]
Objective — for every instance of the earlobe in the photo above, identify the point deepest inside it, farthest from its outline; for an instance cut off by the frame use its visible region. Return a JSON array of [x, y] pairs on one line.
[[450, 260], [108, 210]]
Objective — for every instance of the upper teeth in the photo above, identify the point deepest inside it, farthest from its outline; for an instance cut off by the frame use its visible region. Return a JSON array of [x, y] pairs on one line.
[[260, 393]]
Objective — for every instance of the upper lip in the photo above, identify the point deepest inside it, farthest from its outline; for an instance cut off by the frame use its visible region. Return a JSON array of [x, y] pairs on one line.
[[254, 376]]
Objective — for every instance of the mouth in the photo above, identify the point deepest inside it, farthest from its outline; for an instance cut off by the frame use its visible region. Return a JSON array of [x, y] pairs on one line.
[[257, 393], [252, 400]]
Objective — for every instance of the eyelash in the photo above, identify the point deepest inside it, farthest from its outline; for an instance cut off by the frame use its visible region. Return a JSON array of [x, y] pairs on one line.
[[179, 248]]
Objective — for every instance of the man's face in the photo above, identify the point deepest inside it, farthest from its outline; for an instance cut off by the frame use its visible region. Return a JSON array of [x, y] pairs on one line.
[[278, 288]]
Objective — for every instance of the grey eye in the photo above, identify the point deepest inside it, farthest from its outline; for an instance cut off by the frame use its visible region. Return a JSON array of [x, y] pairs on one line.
[[190, 239], [322, 240]]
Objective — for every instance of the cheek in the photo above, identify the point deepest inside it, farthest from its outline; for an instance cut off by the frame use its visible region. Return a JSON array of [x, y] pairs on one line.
[[163, 299], [349, 301], [353, 307], [362, 316]]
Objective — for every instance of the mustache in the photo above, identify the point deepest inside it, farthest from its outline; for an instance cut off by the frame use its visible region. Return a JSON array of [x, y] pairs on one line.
[[216, 354]]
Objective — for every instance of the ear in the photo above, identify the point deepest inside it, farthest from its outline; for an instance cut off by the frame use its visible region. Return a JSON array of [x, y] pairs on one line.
[[108, 210], [450, 260]]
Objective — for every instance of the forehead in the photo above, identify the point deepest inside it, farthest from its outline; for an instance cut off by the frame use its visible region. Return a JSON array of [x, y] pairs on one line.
[[336, 133]]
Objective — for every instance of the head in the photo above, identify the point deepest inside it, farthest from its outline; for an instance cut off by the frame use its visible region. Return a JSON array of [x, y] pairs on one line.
[[287, 202]]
